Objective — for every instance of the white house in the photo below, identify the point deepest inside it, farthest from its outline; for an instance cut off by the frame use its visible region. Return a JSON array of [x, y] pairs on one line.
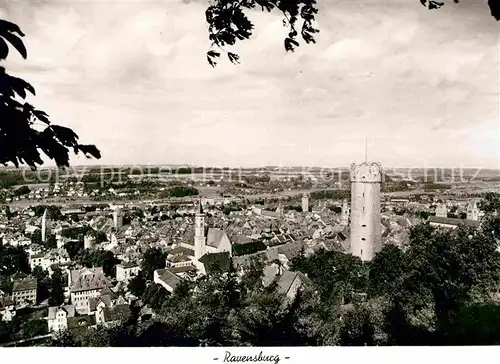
[[47, 259], [58, 317], [7, 309], [126, 271]]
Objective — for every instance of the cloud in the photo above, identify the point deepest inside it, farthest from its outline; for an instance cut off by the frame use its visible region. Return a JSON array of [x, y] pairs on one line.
[[133, 78]]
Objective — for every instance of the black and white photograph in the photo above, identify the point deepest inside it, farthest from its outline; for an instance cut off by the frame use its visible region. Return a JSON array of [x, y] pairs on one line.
[[248, 177]]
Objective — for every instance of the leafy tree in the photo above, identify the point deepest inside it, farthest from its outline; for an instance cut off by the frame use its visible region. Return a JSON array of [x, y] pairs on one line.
[[51, 241], [424, 215], [490, 203], [386, 271], [73, 248], [36, 237], [9, 179], [53, 211], [57, 284], [13, 260], [180, 191], [154, 295], [64, 339], [5, 284], [43, 282], [357, 330], [100, 236], [95, 337], [152, 260], [21, 191], [32, 328], [77, 232], [99, 258], [25, 130], [294, 208], [336, 209], [137, 285], [339, 276], [450, 265], [331, 194]]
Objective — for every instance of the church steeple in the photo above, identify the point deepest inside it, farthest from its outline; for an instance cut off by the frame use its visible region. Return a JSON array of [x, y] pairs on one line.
[[199, 232], [199, 208]]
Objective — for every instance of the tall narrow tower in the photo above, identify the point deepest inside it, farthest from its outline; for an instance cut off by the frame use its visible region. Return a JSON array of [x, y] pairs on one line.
[[199, 232], [472, 211], [117, 218], [366, 238], [279, 209], [344, 214], [305, 202], [44, 226]]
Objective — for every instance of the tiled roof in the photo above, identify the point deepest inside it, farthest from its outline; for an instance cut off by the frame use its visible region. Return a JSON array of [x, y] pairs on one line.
[[240, 239], [37, 256], [126, 265], [107, 292], [291, 250], [94, 301], [216, 260], [69, 309], [79, 324], [455, 222], [25, 284], [274, 214], [188, 268], [287, 278], [6, 301], [115, 313], [169, 278], [87, 279], [181, 250], [215, 236]]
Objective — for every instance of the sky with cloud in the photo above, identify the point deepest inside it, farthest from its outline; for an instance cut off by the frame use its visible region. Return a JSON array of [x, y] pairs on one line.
[[132, 78]]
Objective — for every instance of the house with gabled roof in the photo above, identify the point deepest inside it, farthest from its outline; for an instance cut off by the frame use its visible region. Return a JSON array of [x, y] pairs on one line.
[[111, 315], [58, 316], [289, 283], [166, 279], [7, 308], [126, 271], [84, 284], [452, 223], [24, 291], [214, 262]]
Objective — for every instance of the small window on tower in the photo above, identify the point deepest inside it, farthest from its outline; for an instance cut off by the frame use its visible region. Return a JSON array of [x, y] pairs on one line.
[[361, 252], [363, 225], [363, 194], [363, 239], [363, 208]]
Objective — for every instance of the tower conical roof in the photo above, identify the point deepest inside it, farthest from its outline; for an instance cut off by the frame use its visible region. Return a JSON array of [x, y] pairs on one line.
[[199, 208]]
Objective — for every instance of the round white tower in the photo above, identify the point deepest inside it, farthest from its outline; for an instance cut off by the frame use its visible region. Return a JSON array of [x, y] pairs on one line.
[[365, 237], [344, 215], [117, 218]]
